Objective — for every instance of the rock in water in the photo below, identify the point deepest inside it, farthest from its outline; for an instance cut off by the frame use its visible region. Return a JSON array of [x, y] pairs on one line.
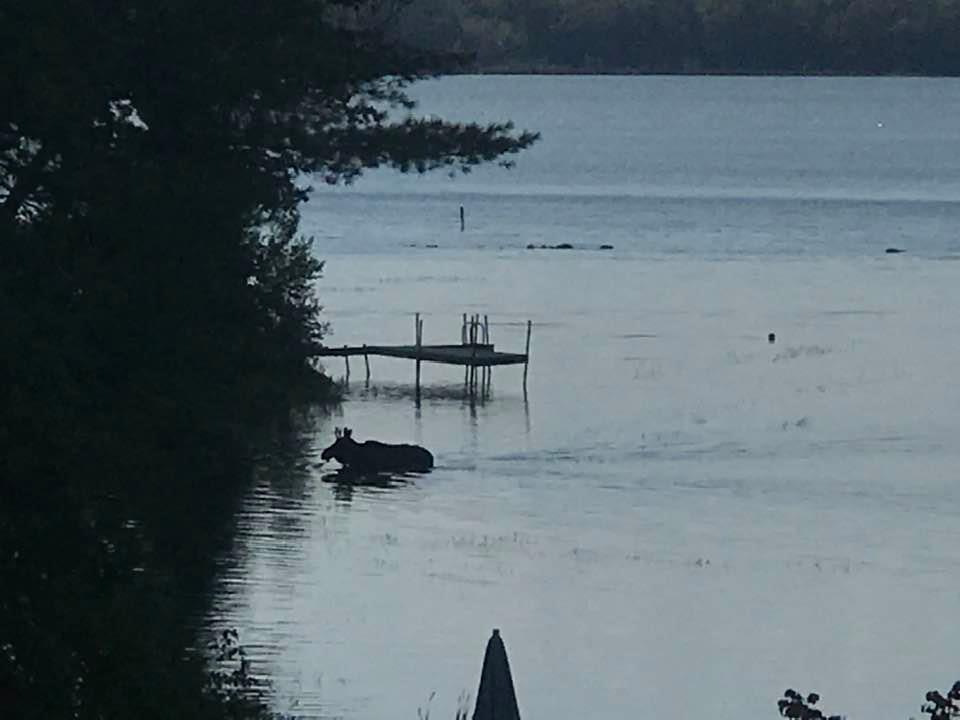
[[496, 699]]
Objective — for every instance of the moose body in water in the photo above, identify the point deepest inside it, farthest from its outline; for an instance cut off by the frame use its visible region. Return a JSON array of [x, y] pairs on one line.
[[375, 457]]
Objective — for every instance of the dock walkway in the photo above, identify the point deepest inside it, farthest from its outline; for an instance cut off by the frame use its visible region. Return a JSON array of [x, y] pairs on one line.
[[473, 351], [473, 355]]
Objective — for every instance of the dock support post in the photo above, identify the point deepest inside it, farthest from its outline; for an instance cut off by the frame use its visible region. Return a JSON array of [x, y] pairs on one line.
[[366, 363], [474, 338], [487, 370], [463, 223], [418, 328], [526, 362], [464, 335], [347, 360], [478, 339]]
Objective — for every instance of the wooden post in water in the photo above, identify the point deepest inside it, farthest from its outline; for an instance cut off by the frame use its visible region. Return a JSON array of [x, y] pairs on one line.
[[366, 362], [469, 367], [463, 223], [487, 370], [347, 360], [418, 329], [526, 362], [474, 331], [463, 341]]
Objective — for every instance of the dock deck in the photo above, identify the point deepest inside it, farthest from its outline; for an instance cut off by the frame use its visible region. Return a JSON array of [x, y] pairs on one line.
[[473, 351], [474, 355]]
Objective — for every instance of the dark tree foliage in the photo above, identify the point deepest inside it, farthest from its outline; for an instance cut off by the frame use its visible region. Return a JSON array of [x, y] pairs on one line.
[[940, 707], [696, 36], [157, 309], [795, 706]]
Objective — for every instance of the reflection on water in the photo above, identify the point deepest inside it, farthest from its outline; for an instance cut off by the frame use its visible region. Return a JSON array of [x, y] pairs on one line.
[[407, 392], [347, 482]]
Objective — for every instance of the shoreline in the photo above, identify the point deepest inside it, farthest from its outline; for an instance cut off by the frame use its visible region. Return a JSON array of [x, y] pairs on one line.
[[549, 70]]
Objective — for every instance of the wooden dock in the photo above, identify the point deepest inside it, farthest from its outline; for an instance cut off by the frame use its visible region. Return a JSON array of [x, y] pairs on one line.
[[473, 351], [476, 355]]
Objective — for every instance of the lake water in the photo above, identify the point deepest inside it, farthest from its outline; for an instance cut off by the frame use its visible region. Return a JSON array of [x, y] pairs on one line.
[[680, 518]]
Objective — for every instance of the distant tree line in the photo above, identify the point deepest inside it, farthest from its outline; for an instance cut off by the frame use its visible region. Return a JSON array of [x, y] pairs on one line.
[[695, 36]]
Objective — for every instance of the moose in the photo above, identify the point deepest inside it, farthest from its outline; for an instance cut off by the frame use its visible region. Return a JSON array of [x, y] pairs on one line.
[[375, 457]]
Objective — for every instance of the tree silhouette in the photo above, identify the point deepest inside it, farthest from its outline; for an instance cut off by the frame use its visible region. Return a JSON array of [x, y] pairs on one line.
[[797, 707], [939, 707]]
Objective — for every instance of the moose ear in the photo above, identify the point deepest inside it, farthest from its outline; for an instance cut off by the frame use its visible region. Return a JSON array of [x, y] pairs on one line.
[[347, 432], [336, 432]]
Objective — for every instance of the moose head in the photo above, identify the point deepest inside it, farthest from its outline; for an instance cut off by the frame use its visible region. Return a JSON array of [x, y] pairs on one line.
[[343, 449]]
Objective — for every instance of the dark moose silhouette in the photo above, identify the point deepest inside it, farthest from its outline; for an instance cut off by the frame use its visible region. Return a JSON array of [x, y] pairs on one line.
[[375, 457]]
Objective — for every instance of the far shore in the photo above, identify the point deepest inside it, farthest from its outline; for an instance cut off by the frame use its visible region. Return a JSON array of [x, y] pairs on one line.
[[535, 69]]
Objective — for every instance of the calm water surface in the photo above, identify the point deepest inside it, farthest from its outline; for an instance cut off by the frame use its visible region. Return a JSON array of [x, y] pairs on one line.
[[680, 517]]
